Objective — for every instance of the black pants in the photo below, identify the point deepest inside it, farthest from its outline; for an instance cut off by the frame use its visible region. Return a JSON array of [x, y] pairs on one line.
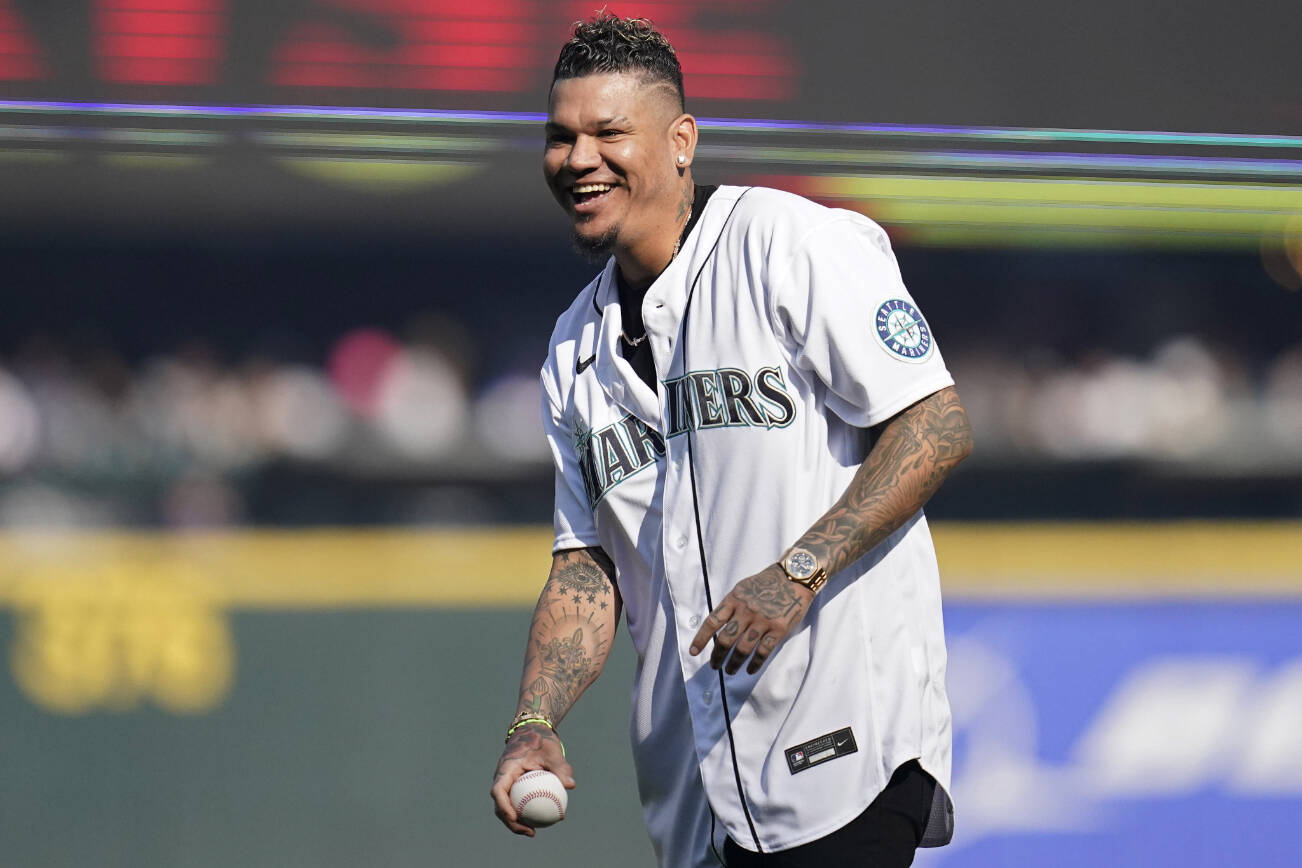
[[886, 835]]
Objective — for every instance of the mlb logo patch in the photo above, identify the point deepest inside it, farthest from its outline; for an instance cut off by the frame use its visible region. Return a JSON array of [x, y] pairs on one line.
[[820, 750]]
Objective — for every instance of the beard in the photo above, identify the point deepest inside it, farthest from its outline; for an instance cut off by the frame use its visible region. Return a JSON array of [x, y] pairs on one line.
[[595, 249]]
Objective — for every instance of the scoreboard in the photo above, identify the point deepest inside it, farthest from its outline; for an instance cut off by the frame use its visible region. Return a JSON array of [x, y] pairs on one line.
[[1110, 64], [408, 49], [1005, 123]]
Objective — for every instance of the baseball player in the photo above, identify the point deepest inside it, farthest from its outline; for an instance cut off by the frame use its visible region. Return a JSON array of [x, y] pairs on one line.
[[747, 412]]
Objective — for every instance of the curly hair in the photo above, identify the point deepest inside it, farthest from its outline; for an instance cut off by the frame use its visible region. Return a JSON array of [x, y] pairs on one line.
[[609, 43]]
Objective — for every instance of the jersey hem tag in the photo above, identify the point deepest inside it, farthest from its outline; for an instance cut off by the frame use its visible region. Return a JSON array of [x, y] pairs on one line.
[[820, 750]]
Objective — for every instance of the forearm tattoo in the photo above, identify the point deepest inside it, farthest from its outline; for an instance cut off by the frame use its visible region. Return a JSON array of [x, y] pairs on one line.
[[569, 639], [914, 454]]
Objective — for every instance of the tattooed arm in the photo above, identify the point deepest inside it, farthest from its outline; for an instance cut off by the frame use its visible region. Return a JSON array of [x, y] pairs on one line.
[[914, 453], [569, 641]]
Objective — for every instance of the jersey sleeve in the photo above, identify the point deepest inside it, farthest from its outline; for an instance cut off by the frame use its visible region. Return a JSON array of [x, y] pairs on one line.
[[848, 320], [572, 517]]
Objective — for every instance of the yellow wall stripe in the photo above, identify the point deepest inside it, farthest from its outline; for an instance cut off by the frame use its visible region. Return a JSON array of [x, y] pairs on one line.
[[1186, 559], [494, 567]]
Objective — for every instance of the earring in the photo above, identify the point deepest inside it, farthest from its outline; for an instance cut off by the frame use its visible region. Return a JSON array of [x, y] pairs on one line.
[[682, 160]]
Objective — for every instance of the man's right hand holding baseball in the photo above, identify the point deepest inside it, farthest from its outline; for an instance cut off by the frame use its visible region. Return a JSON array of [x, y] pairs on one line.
[[531, 746], [569, 641]]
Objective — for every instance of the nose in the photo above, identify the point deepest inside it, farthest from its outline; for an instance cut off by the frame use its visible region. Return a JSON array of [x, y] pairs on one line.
[[583, 156]]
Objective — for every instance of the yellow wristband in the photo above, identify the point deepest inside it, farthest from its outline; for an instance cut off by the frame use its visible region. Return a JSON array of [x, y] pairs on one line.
[[544, 721], [519, 723]]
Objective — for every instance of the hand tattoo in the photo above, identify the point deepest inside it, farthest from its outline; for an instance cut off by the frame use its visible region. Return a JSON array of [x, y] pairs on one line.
[[527, 739], [772, 596]]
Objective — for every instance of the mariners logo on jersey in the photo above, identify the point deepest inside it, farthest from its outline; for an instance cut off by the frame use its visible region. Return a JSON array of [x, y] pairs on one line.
[[902, 331]]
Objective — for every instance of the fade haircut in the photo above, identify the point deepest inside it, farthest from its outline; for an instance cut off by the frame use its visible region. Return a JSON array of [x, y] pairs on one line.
[[609, 43]]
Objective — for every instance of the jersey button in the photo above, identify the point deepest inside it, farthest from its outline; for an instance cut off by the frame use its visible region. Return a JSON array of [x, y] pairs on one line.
[[708, 696], [694, 621], [680, 543]]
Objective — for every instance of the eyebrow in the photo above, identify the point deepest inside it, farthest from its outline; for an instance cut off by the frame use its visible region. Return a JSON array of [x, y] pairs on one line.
[[601, 123]]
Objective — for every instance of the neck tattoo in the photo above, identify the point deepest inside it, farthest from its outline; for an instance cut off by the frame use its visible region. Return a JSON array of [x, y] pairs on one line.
[[623, 335]]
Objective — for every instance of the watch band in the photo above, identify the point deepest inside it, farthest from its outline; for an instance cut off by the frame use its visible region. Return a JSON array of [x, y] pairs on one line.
[[803, 568]]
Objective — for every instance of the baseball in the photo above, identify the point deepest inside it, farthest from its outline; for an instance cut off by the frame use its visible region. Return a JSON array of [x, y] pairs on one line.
[[539, 799]]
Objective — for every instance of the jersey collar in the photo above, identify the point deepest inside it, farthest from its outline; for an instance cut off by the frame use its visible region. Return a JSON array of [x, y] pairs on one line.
[[662, 310], [617, 377]]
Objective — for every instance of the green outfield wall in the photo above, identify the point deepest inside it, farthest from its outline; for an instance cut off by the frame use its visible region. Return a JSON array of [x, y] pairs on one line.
[[337, 698]]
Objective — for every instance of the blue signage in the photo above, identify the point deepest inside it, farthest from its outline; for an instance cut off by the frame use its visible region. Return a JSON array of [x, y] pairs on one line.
[[1135, 735]]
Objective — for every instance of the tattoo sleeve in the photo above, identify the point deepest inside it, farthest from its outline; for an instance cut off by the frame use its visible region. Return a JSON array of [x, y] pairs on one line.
[[913, 454], [569, 639]]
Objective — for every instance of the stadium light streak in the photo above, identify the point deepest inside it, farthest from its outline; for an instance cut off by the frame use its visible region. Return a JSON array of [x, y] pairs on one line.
[[370, 142], [152, 161], [381, 176], [1015, 134], [1024, 134], [1017, 160], [330, 113], [1215, 196], [1032, 235], [13, 133], [992, 160], [159, 137], [1216, 214]]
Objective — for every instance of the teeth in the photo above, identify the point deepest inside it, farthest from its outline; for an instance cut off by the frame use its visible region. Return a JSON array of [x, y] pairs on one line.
[[593, 188]]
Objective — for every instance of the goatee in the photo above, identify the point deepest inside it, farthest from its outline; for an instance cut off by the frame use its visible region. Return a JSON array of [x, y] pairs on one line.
[[595, 250]]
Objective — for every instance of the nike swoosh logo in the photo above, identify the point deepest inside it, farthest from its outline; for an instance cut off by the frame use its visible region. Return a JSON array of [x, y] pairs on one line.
[[842, 742], [582, 364]]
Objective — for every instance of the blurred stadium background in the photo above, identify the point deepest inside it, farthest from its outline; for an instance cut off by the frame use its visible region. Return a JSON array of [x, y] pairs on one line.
[[277, 279]]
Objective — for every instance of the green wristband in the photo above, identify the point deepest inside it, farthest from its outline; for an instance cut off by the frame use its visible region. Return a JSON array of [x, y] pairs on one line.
[[519, 723], [544, 721]]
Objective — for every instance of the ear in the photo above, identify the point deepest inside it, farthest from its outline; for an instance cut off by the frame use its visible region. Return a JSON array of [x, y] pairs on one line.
[[682, 141]]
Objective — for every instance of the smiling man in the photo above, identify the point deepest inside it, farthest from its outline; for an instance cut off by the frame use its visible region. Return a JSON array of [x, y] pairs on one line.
[[747, 412]]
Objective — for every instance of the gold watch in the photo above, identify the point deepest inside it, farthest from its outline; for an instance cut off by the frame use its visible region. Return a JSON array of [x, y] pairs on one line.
[[803, 568]]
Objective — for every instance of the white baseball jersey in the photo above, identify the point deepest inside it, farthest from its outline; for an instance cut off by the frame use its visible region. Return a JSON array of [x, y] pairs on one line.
[[781, 332]]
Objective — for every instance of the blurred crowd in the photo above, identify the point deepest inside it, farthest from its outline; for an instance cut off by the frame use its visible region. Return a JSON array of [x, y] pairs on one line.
[[185, 430], [1186, 404], [188, 426]]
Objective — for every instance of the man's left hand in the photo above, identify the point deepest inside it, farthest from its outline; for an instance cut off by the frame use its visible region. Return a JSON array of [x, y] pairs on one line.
[[758, 613]]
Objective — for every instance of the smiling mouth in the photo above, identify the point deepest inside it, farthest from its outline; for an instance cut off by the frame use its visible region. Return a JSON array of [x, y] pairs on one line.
[[586, 196]]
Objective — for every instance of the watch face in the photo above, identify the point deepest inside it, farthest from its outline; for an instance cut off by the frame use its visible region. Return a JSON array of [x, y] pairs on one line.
[[801, 564]]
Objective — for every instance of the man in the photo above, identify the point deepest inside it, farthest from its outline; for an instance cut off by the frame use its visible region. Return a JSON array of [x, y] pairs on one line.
[[747, 413]]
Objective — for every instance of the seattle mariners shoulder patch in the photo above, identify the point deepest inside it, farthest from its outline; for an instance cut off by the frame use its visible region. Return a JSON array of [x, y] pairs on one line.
[[902, 331]]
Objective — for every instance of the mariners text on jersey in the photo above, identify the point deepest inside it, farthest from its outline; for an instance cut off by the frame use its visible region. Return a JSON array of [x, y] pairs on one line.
[[727, 397]]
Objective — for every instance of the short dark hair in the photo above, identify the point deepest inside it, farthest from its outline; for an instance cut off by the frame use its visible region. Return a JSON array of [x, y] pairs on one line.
[[609, 43]]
